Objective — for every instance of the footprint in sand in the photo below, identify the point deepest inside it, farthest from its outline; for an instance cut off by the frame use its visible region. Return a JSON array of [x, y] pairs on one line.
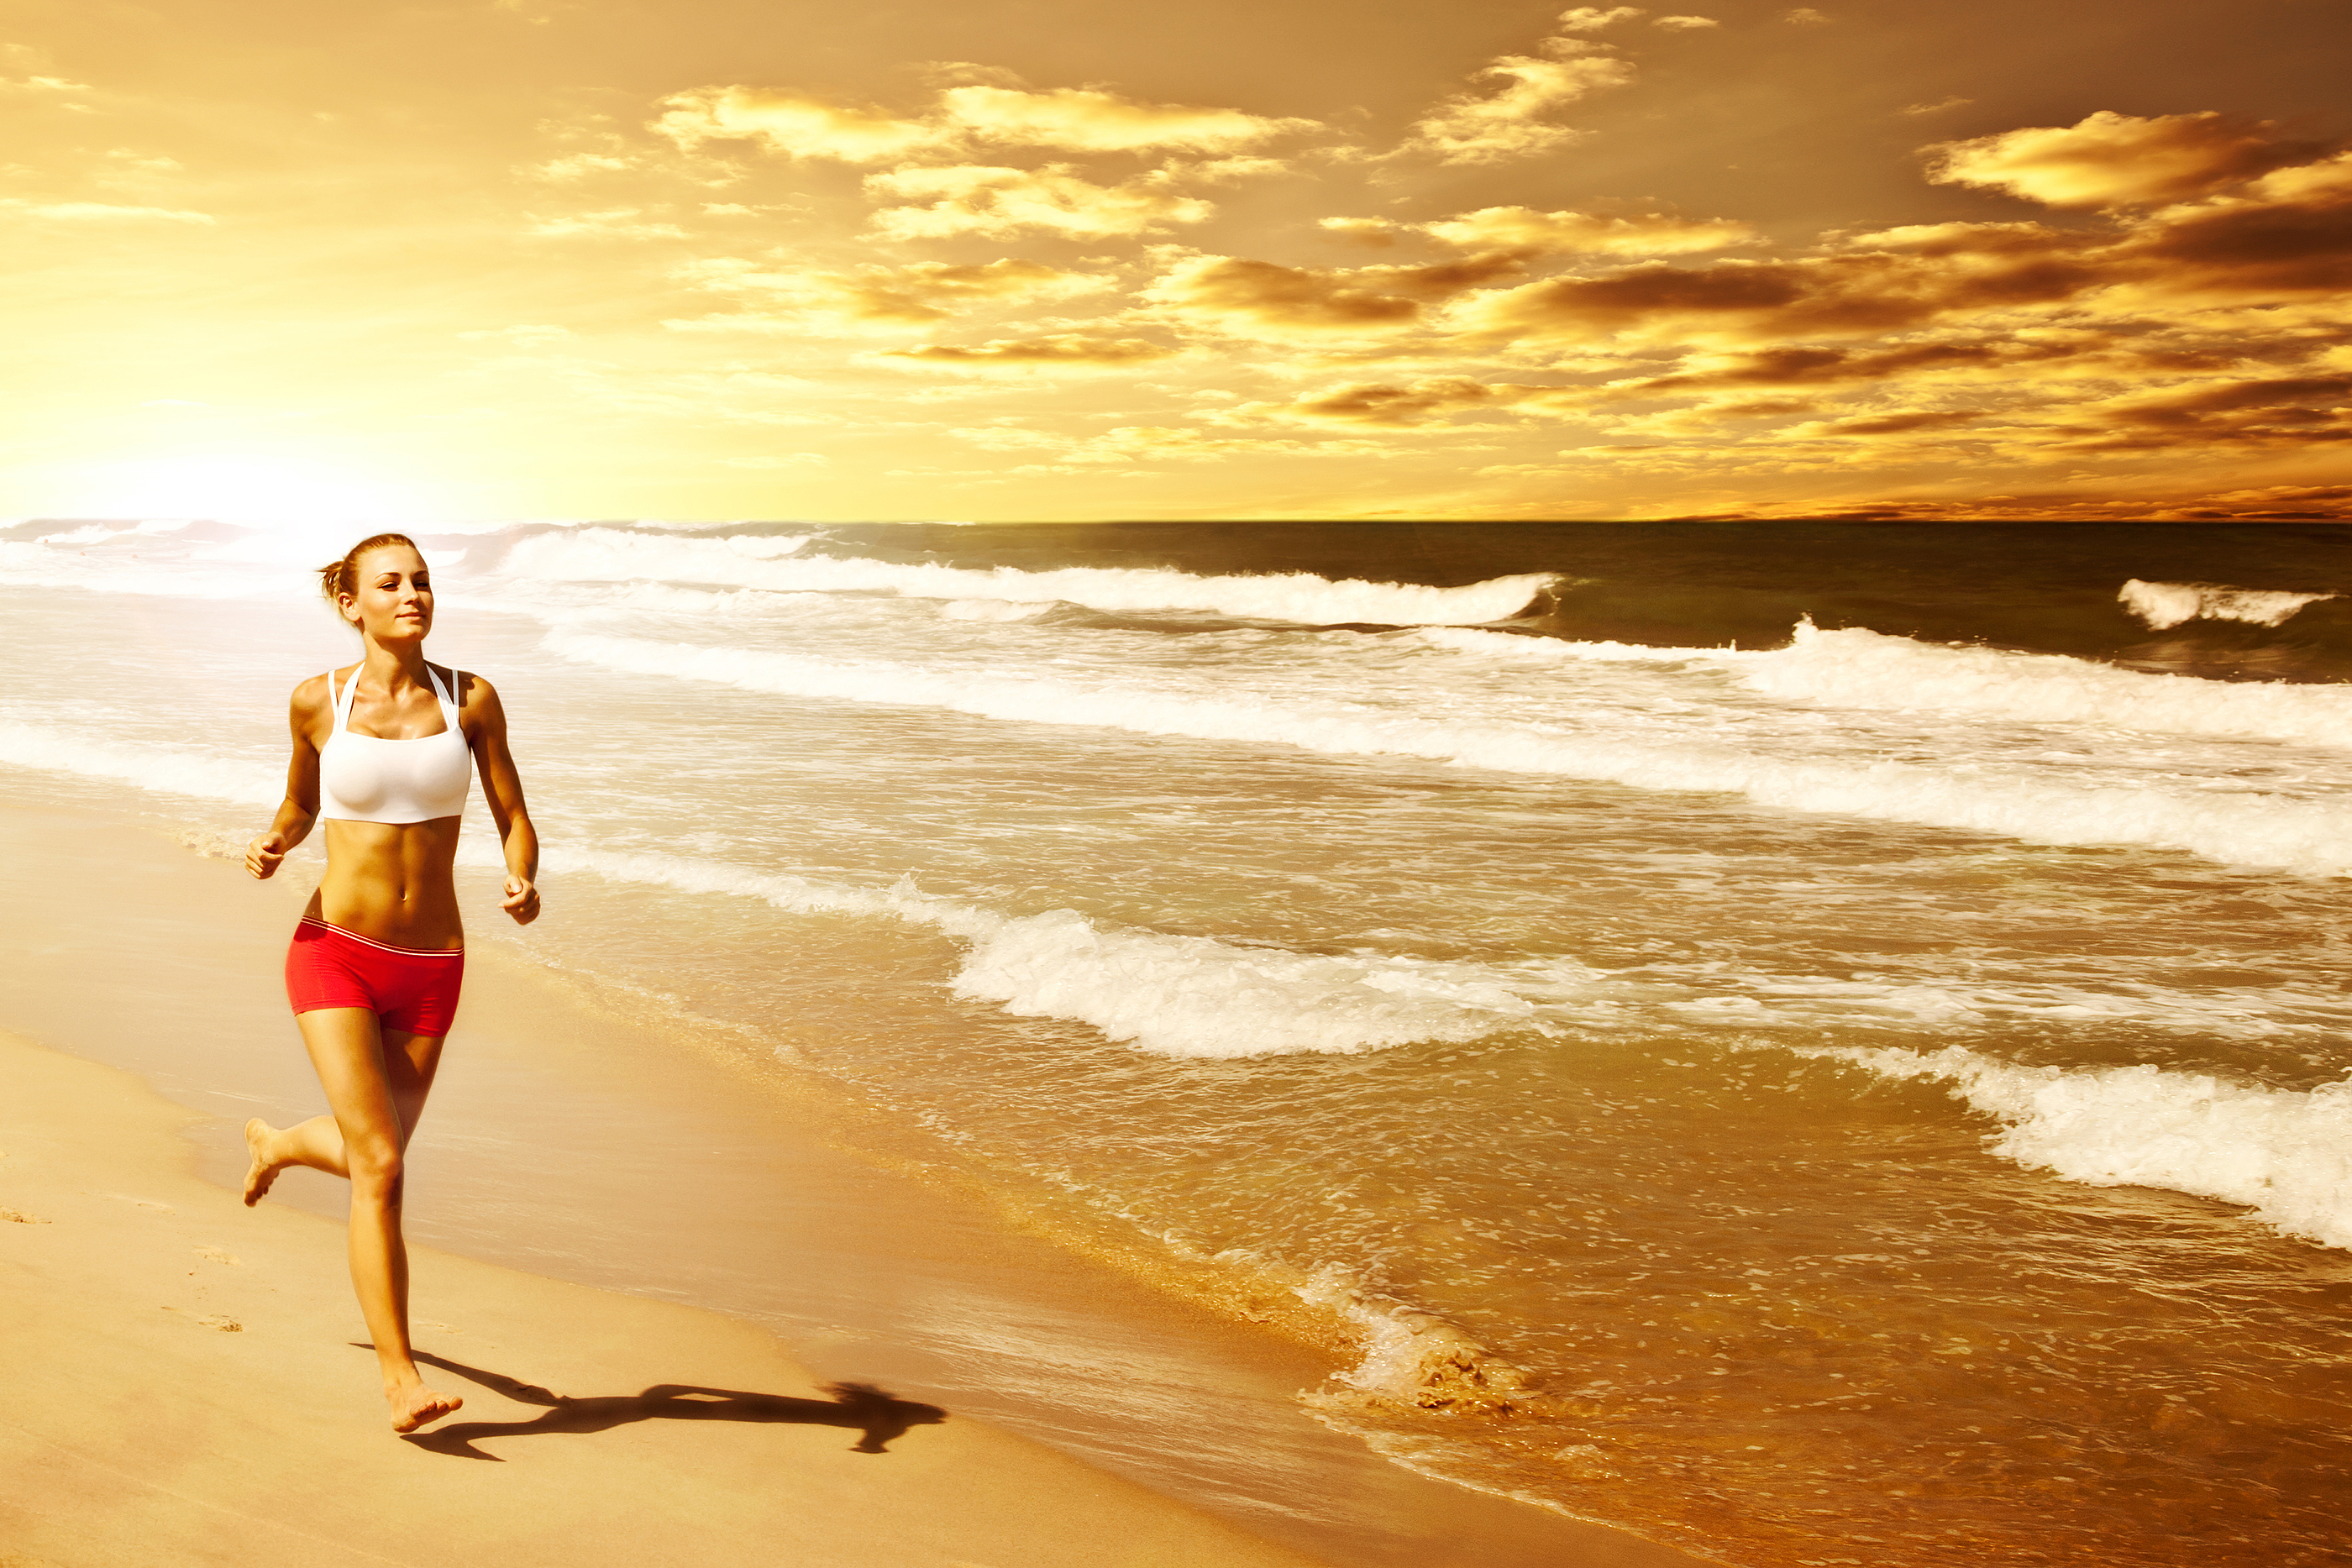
[[16, 1217], [217, 1255], [223, 1325]]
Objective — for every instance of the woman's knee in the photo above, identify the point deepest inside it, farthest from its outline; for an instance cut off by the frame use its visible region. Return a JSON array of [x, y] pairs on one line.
[[376, 1168]]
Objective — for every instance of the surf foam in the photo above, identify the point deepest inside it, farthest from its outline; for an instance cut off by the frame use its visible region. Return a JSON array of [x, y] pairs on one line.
[[2310, 837], [2160, 606], [2286, 1155], [760, 562]]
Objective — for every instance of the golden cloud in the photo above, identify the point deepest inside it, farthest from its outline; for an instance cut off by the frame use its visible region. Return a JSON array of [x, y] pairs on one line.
[[1060, 352], [1510, 122], [976, 199], [1571, 232], [2111, 160], [1091, 120], [796, 125], [1259, 299], [1592, 18], [884, 298]]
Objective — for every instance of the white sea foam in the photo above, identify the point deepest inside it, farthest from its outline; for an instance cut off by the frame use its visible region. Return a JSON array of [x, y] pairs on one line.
[[1196, 995], [993, 609], [607, 555], [1554, 650], [1172, 995], [1855, 668], [165, 770], [2161, 606], [2232, 828], [2286, 1155]]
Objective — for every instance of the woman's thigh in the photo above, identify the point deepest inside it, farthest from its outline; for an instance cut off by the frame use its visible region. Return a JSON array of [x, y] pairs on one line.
[[410, 1061], [346, 1047]]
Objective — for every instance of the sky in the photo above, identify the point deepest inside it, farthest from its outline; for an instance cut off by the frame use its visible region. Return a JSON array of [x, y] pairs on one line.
[[1056, 261]]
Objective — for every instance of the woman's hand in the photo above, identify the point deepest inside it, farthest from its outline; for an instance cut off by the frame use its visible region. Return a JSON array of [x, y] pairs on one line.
[[521, 900], [263, 853]]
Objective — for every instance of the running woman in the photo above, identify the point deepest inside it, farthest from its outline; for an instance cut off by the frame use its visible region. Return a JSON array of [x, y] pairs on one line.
[[383, 752]]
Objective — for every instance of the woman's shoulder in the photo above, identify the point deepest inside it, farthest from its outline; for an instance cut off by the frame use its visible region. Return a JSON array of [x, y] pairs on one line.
[[318, 690], [473, 692]]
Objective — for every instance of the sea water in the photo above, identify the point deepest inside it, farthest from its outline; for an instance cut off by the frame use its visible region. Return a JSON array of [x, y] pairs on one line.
[[1818, 1043]]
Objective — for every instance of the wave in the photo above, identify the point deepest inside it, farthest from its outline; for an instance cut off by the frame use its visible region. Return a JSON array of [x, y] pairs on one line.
[[1171, 995], [2160, 606], [762, 562], [161, 769], [2238, 828], [1855, 668], [2285, 1153]]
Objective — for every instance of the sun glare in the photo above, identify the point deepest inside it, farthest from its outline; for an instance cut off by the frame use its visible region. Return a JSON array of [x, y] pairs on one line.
[[245, 489]]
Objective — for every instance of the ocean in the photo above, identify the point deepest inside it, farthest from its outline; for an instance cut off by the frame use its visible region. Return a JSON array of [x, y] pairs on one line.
[[1815, 1043]]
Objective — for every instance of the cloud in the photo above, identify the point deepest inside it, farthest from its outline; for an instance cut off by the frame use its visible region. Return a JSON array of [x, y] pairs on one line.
[[884, 298], [1083, 119], [1510, 122], [1804, 16], [1592, 18], [580, 165], [612, 223], [1063, 351], [795, 125], [1132, 445], [2111, 160], [1390, 405], [1574, 232], [973, 199], [1686, 24], [1091, 120], [103, 213], [1941, 104], [1259, 299]]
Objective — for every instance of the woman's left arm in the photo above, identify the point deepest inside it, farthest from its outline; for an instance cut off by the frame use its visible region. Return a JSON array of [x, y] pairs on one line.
[[485, 720]]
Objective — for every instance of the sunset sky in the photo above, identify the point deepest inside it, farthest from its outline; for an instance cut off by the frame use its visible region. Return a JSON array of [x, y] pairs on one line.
[[1045, 259]]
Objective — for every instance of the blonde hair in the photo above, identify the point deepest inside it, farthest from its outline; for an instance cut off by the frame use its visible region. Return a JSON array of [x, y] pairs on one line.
[[338, 577]]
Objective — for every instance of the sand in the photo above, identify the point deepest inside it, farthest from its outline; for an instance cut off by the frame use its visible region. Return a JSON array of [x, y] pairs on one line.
[[183, 1387], [187, 1379]]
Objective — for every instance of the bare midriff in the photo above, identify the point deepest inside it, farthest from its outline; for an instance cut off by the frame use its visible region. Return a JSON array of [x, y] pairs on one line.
[[391, 881]]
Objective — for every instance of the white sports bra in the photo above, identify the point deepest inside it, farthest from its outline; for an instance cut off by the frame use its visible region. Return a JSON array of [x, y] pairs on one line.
[[367, 778]]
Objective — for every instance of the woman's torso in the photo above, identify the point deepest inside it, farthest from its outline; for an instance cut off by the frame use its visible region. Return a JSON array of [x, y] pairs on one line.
[[391, 880]]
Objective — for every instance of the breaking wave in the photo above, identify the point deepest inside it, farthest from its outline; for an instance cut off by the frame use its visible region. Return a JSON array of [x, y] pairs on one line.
[[2160, 606], [2311, 837], [2286, 1155], [776, 564], [1861, 669]]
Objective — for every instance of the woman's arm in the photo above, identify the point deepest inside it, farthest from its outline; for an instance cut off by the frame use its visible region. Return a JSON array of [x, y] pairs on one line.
[[298, 811], [486, 731]]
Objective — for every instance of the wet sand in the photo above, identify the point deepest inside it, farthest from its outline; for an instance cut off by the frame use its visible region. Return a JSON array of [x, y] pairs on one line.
[[576, 1134]]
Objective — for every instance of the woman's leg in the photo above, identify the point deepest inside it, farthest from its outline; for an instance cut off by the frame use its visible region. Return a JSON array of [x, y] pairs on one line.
[[409, 1061], [376, 1081]]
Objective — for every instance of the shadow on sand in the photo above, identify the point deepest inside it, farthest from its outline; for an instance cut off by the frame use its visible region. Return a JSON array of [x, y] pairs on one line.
[[859, 1406]]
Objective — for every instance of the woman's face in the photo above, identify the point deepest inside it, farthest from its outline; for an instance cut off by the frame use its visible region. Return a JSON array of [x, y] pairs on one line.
[[393, 603]]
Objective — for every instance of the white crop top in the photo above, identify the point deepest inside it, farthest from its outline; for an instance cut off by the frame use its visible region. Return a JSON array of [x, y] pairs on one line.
[[367, 778]]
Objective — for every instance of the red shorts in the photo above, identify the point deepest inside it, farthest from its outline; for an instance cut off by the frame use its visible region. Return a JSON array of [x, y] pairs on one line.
[[413, 989]]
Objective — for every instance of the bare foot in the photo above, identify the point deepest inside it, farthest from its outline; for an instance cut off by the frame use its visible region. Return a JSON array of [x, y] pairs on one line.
[[261, 1172], [413, 1405]]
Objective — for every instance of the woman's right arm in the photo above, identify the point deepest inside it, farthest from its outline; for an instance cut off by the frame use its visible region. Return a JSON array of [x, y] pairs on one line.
[[300, 810]]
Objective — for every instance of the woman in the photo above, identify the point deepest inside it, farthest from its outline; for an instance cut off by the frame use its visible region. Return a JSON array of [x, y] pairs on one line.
[[382, 755]]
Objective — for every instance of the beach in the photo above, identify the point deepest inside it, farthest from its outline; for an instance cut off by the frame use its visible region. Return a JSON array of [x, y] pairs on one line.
[[1423, 1043], [189, 1381]]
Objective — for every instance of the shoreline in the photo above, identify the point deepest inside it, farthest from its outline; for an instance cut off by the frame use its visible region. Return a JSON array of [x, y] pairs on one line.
[[184, 1389], [868, 1273]]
